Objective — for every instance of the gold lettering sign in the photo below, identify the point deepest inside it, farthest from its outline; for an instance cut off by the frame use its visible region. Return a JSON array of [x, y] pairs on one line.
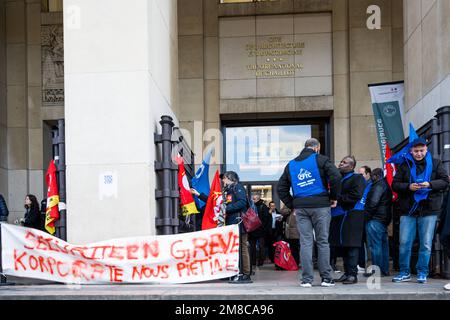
[[276, 52]]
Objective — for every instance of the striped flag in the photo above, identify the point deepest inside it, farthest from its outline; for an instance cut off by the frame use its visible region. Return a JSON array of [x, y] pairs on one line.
[[52, 212], [186, 200]]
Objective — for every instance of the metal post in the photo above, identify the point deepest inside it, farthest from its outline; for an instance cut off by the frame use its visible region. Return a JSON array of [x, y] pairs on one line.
[[175, 200], [55, 138], [165, 221], [443, 116], [59, 155], [62, 179], [435, 132], [436, 257]]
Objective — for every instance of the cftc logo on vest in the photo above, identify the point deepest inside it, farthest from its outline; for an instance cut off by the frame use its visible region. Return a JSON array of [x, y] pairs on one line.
[[305, 175]]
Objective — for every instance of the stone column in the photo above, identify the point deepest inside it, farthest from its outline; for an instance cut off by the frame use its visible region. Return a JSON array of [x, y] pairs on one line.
[[3, 107], [341, 80], [34, 99], [370, 62], [120, 77], [17, 115], [191, 72]]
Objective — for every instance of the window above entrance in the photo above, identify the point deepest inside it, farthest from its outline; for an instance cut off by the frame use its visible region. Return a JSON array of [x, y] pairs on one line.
[[261, 153]]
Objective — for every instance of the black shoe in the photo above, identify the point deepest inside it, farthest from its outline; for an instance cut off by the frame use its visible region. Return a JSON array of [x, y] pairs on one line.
[[342, 278], [241, 279], [351, 280]]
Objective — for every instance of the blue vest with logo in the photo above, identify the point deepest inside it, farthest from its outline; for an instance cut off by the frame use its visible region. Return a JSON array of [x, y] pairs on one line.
[[305, 177], [339, 211]]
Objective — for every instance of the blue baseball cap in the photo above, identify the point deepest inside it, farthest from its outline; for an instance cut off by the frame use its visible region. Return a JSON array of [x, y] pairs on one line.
[[418, 142]]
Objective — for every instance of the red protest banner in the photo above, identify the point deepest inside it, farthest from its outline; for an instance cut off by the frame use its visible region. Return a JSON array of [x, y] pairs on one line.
[[194, 257]]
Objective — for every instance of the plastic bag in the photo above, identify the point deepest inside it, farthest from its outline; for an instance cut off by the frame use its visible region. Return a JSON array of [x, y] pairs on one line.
[[283, 257]]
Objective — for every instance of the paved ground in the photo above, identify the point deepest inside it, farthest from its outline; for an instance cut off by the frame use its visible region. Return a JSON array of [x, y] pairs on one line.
[[268, 285]]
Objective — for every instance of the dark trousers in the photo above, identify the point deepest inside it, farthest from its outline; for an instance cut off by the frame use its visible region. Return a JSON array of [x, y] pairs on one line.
[[335, 252], [294, 245], [362, 251], [350, 260], [257, 253]]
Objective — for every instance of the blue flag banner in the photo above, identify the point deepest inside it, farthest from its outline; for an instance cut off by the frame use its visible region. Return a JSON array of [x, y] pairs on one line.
[[201, 180], [401, 156]]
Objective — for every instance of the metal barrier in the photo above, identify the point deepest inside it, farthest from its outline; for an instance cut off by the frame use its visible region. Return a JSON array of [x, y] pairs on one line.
[[59, 155], [171, 141], [437, 132]]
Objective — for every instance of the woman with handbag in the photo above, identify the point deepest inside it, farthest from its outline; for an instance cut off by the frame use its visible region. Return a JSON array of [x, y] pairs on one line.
[[236, 205]]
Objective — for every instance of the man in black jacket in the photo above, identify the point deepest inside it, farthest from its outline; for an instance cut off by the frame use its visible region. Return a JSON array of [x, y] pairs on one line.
[[347, 221], [378, 214], [309, 175], [420, 182]]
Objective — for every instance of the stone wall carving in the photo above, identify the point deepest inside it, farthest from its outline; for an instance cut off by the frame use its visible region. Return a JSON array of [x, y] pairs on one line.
[[52, 65]]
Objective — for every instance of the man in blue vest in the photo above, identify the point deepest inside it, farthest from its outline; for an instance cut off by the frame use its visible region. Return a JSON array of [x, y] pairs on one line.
[[420, 183], [308, 176], [347, 221]]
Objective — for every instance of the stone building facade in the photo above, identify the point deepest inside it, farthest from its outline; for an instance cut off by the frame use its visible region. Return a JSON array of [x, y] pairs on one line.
[[205, 63]]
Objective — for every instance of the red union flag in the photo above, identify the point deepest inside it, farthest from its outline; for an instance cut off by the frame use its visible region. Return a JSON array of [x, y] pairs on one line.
[[52, 212], [389, 170], [186, 199], [214, 211]]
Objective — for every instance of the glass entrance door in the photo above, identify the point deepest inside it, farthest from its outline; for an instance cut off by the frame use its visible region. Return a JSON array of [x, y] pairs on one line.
[[259, 153]]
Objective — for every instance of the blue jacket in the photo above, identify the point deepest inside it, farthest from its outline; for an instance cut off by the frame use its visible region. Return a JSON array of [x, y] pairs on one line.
[[236, 203]]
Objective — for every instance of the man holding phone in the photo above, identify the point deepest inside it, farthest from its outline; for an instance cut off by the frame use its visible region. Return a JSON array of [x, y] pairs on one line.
[[420, 183]]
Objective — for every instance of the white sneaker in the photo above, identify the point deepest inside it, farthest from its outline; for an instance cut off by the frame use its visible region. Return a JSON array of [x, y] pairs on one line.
[[327, 283], [447, 287], [361, 270], [306, 285]]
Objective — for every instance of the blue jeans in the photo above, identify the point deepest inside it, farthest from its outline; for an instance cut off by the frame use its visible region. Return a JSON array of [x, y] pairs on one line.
[[378, 240], [408, 229]]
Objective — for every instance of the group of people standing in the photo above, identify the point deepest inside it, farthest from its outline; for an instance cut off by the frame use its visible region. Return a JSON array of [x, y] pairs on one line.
[[338, 210], [334, 206]]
